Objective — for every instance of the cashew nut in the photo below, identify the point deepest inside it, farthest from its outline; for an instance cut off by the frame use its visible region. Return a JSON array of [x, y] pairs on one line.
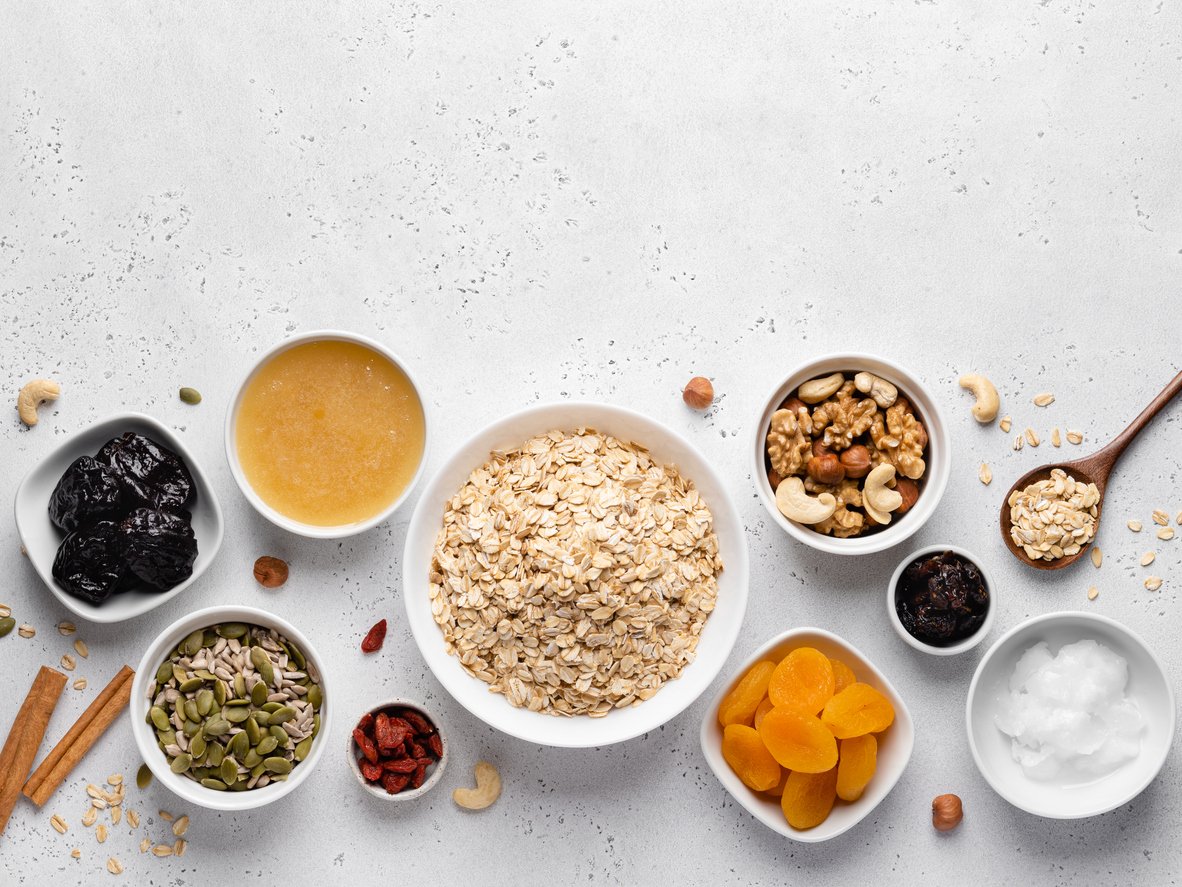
[[985, 409], [878, 499], [34, 394], [880, 390], [816, 390], [488, 788], [795, 504]]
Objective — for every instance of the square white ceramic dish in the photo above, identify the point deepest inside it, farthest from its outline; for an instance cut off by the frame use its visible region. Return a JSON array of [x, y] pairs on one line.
[[894, 744], [1148, 686], [717, 638], [41, 538]]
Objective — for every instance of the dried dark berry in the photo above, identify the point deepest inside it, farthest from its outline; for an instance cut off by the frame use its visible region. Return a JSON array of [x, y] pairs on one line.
[[89, 562], [942, 599], [151, 473], [159, 546], [87, 492]]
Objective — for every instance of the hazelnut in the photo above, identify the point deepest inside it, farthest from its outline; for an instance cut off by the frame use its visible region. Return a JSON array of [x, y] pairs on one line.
[[856, 461], [698, 393], [270, 572], [773, 478], [819, 448], [909, 490], [795, 404], [826, 469], [946, 812]]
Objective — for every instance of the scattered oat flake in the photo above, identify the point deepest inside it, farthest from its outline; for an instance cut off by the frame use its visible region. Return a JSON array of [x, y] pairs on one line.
[[180, 826], [1055, 439], [26, 631], [179, 847], [66, 628], [1147, 558], [1032, 438], [90, 816], [115, 779], [1179, 520], [1074, 437], [59, 824], [1165, 534], [1152, 583], [1135, 526], [1044, 400], [165, 815], [6, 611], [1097, 556], [100, 833], [1093, 593], [114, 867], [68, 662], [145, 845], [133, 819], [1006, 424], [985, 474], [116, 815], [80, 684], [76, 853], [1160, 517], [162, 850], [1018, 441], [81, 648]]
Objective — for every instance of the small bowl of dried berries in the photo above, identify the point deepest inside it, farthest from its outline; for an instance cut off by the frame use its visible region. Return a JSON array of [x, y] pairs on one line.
[[941, 600], [397, 751]]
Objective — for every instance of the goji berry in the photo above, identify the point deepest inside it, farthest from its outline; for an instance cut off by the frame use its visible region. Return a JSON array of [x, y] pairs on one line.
[[416, 721], [375, 638], [371, 772], [435, 743], [399, 765], [419, 774], [394, 782], [366, 746], [366, 722]]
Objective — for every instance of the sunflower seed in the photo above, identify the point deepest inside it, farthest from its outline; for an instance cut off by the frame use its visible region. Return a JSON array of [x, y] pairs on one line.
[[1153, 583], [114, 867], [1097, 556], [59, 824], [1147, 558], [1074, 437], [1093, 592], [1135, 526], [1056, 441], [26, 631], [984, 474], [66, 628]]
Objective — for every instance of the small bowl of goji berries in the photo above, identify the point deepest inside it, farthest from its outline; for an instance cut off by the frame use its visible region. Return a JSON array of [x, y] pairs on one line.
[[397, 751]]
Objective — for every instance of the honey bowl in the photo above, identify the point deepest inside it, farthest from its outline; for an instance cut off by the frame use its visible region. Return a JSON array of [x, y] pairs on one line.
[[326, 435]]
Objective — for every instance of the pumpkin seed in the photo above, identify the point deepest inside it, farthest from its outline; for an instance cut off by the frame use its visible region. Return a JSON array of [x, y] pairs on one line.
[[191, 645], [191, 712], [181, 763], [219, 693], [205, 674], [179, 674], [229, 771], [143, 776], [315, 696], [252, 759], [197, 746], [232, 629], [217, 727], [190, 396], [301, 750], [238, 745], [7, 624], [261, 662], [277, 765], [267, 745], [258, 696], [253, 733], [216, 784], [190, 728], [271, 707], [239, 685], [164, 673], [297, 656], [215, 755], [236, 714], [159, 718], [280, 735]]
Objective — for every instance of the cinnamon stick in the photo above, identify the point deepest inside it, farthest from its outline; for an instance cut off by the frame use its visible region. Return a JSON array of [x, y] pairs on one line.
[[28, 729], [80, 738], [106, 706]]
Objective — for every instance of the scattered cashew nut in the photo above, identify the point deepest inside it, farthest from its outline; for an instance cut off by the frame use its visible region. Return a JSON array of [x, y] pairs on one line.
[[880, 390], [488, 788], [34, 394], [816, 390], [985, 409], [878, 499], [795, 504]]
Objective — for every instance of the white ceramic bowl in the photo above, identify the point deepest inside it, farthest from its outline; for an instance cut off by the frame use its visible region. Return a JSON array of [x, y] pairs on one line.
[[716, 640], [433, 777], [894, 744], [41, 538], [953, 649], [280, 520], [938, 456], [1149, 686], [145, 734]]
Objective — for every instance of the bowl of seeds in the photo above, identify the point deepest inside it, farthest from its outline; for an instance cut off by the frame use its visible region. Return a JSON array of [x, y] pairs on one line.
[[229, 707]]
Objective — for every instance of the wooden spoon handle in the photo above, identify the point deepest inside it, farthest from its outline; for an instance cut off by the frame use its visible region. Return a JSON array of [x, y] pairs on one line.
[[1101, 463]]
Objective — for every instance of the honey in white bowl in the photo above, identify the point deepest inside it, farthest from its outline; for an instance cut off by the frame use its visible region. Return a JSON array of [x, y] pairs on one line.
[[329, 433]]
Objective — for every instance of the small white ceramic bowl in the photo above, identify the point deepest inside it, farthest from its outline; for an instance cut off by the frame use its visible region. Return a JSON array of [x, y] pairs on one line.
[[1149, 686], [145, 734], [952, 649], [280, 520], [41, 538], [938, 456], [352, 753], [717, 639], [894, 744]]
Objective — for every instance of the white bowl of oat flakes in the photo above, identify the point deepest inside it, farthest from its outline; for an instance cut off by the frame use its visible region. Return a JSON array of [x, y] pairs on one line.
[[587, 564]]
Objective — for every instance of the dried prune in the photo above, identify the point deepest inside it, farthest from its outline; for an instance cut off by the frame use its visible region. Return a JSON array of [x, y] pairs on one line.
[[942, 599], [159, 546], [86, 493], [150, 473], [89, 562]]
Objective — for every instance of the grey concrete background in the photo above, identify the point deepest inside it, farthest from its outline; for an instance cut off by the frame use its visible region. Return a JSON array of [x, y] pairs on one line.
[[539, 201]]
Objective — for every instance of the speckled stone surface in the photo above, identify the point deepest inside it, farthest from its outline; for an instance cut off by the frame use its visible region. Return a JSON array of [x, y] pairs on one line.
[[599, 201]]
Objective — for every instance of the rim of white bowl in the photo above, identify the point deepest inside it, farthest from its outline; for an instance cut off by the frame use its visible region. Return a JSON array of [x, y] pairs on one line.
[[1120, 628], [95, 612], [436, 771], [939, 453], [463, 687], [972, 640], [145, 737], [314, 531]]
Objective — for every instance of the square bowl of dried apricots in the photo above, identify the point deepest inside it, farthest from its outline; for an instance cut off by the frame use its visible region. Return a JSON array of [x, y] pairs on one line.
[[808, 735]]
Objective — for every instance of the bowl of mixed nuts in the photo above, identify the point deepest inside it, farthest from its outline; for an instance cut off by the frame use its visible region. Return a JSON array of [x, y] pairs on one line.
[[850, 454], [229, 707]]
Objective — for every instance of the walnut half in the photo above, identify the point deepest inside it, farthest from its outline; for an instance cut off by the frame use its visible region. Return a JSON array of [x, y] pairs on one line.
[[902, 441], [789, 441]]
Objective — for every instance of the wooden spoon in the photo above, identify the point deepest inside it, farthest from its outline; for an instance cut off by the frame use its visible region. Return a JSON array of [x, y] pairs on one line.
[[1092, 469]]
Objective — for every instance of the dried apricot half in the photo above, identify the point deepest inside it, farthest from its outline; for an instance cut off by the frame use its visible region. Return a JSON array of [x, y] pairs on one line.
[[798, 741], [857, 710], [808, 797], [857, 759], [738, 706], [749, 758], [843, 675], [803, 680], [763, 709], [778, 790]]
